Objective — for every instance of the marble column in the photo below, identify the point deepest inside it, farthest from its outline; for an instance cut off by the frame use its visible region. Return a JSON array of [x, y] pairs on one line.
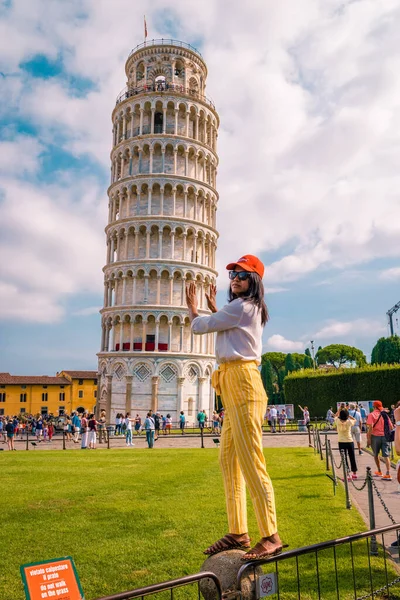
[[108, 397], [128, 393], [181, 381], [154, 393]]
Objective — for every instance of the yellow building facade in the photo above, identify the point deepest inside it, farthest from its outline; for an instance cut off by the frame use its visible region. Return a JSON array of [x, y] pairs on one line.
[[62, 394]]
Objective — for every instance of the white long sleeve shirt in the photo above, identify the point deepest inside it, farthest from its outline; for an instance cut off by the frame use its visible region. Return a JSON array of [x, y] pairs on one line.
[[239, 330]]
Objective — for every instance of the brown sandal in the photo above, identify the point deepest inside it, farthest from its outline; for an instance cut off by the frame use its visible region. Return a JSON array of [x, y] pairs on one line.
[[265, 548], [228, 542]]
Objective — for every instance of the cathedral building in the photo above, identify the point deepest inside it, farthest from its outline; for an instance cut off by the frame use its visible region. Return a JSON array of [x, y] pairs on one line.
[[161, 234]]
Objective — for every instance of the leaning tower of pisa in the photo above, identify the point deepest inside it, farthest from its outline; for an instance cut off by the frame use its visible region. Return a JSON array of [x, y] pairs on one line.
[[161, 234]]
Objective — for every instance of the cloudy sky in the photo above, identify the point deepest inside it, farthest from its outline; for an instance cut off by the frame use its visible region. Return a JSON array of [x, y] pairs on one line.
[[308, 93]]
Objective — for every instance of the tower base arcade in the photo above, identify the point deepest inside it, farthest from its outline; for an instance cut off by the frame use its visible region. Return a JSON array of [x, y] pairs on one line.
[[166, 385]]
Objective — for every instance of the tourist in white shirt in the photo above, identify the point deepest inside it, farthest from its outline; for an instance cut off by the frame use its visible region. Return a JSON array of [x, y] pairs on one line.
[[357, 426], [128, 430], [273, 414], [239, 326], [306, 415]]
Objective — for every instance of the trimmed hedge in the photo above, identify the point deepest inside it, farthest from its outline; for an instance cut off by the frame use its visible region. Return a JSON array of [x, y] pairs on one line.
[[321, 390]]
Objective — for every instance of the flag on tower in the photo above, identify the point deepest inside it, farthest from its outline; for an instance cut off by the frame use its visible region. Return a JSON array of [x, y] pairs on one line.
[[145, 27]]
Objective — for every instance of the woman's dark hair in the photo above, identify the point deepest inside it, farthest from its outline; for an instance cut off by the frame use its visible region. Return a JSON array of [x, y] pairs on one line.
[[255, 295], [344, 415]]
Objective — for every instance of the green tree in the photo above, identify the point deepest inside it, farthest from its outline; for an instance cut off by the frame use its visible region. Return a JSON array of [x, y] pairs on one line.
[[299, 359], [289, 364], [281, 377], [308, 364], [339, 355], [386, 351], [267, 378], [307, 352], [277, 359]]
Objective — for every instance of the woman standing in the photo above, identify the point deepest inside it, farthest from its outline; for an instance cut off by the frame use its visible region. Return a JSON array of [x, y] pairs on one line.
[[306, 415], [344, 423], [9, 429], [69, 430], [118, 424], [215, 422], [128, 429], [239, 326], [50, 430], [282, 421], [168, 424], [92, 431], [138, 424], [84, 432], [182, 421]]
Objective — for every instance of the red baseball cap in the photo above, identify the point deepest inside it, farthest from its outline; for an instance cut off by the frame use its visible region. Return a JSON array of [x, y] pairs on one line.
[[377, 404], [250, 263]]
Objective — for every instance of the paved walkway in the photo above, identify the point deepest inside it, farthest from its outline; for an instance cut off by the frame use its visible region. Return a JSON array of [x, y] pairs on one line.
[[388, 490]]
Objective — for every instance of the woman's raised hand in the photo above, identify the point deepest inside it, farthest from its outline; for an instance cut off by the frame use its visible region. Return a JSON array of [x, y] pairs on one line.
[[191, 296], [211, 298]]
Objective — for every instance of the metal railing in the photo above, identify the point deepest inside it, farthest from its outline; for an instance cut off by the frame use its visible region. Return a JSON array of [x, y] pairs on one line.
[[339, 568], [169, 585], [30, 438], [164, 42], [129, 92], [158, 129]]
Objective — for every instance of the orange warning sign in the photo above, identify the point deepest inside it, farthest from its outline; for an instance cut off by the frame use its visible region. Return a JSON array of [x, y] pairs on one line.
[[56, 578]]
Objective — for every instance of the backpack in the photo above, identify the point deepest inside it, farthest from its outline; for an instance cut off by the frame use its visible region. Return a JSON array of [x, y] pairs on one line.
[[389, 433]]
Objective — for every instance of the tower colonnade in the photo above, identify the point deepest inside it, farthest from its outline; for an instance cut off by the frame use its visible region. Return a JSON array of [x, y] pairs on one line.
[[165, 115], [136, 286], [162, 198], [171, 157], [170, 241], [127, 331], [161, 235]]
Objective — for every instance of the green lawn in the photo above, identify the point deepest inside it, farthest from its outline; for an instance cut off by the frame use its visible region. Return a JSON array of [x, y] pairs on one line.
[[134, 518]]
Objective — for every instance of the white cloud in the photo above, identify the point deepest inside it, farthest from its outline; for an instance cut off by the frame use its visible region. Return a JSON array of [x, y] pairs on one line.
[[280, 344], [88, 311], [20, 156], [49, 247], [392, 274], [275, 290], [351, 329], [27, 305]]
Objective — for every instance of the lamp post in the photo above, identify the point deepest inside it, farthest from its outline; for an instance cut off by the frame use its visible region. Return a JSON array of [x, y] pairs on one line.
[[312, 351]]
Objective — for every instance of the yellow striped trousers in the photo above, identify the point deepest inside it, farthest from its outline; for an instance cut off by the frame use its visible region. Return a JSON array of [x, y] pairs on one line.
[[241, 451]]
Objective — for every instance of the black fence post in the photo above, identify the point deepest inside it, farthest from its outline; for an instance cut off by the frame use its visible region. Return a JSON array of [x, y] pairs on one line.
[[309, 436], [63, 440], [333, 468], [27, 439], [321, 451], [371, 509], [345, 480], [108, 439], [202, 438], [326, 452]]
